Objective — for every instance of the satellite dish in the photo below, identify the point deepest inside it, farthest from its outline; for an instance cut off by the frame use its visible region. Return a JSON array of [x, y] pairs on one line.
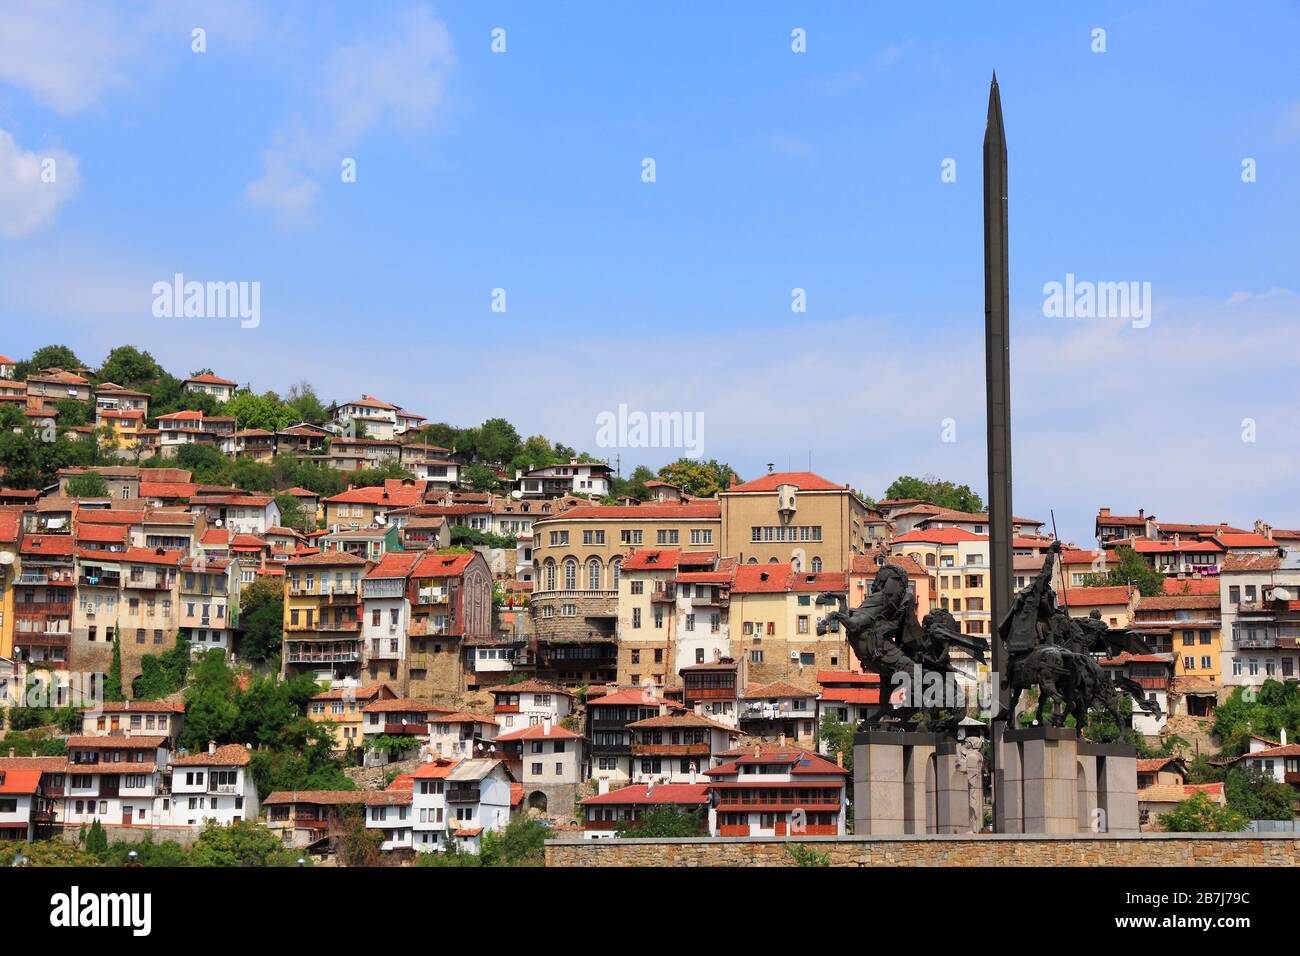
[[516, 494], [1279, 594], [6, 557]]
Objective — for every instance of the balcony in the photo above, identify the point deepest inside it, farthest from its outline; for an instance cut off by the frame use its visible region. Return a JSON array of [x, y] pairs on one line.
[[149, 584], [670, 750], [664, 594], [432, 596], [341, 596], [611, 750], [100, 581], [346, 624], [409, 729], [297, 654], [457, 794], [223, 788], [423, 627], [1258, 641]]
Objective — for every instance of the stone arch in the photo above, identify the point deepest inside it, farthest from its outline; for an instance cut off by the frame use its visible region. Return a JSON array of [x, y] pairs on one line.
[[537, 801]]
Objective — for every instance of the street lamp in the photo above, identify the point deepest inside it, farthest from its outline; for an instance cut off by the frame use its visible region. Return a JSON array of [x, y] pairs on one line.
[[301, 861]]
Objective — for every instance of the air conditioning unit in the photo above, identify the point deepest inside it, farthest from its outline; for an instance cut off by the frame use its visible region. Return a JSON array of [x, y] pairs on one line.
[[794, 655]]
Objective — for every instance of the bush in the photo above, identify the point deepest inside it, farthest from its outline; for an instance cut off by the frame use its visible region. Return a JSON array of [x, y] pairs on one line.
[[1199, 814], [521, 843]]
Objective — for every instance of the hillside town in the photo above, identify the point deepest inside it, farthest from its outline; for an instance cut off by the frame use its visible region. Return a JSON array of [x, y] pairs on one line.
[[221, 608]]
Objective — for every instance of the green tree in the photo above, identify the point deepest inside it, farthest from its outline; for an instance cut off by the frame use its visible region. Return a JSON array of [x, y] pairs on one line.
[[303, 405], [838, 738], [113, 685], [480, 478], [258, 411], [90, 484], [71, 412], [97, 840], [1199, 814], [496, 441], [699, 478], [936, 491], [1257, 795], [1129, 569], [49, 356], [162, 675], [664, 821], [240, 844], [261, 615], [521, 843], [128, 365]]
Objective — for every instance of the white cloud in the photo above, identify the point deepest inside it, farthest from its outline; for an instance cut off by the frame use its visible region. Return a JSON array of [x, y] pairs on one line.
[[396, 80], [33, 185], [70, 54]]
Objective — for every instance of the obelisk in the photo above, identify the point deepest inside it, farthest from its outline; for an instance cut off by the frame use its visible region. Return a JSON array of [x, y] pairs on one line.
[[997, 372]]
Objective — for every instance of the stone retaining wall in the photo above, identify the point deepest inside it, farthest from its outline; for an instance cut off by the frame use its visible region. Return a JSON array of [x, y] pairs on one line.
[[1149, 849]]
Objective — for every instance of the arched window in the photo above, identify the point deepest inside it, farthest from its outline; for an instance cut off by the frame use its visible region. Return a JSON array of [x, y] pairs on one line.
[[929, 560], [773, 561], [752, 561], [550, 575], [816, 565], [570, 574], [593, 575], [796, 563], [615, 572]]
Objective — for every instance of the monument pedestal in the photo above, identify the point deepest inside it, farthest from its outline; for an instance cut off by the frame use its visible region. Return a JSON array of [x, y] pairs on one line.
[[904, 783], [1051, 781]]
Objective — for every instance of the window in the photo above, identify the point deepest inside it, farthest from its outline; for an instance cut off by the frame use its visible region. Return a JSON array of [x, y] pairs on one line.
[[803, 623], [668, 537], [816, 565], [593, 575], [756, 657], [570, 575], [636, 620]]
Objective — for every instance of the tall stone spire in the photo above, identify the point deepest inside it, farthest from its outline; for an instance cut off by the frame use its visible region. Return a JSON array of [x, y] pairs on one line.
[[997, 370]]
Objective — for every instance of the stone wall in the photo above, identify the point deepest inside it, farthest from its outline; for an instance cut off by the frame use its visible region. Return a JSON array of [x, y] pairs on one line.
[[1150, 849], [185, 836]]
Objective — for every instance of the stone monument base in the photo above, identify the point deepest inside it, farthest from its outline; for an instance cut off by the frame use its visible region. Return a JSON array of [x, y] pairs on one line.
[[907, 783], [1051, 781]]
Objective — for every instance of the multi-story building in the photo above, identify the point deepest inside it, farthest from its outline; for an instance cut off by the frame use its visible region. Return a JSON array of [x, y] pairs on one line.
[[214, 786], [461, 734], [712, 690], [780, 711], [1188, 627], [549, 761], [31, 792], [958, 560], [342, 708], [577, 560], [774, 618], [793, 517], [389, 813], [117, 780], [1259, 599], [305, 818], [208, 595], [430, 463], [847, 697], [609, 739], [863, 569], [240, 513], [1153, 673], [357, 454], [40, 602], [777, 792], [455, 802], [365, 507], [575, 477], [450, 599], [222, 389], [398, 717], [123, 481], [55, 384], [375, 418], [528, 703], [1110, 527], [1273, 758], [190, 428], [1115, 604], [130, 595], [676, 748], [322, 616]]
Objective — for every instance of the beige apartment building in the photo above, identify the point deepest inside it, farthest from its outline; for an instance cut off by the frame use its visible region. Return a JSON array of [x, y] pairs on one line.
[[795, 517], [773, 621]]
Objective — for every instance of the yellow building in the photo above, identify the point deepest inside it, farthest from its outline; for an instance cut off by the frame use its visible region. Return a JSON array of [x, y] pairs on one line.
[[795, 517], [773, 616], [10, 568], [322, 615], [1187, 626], [958, 564], [342, 707]]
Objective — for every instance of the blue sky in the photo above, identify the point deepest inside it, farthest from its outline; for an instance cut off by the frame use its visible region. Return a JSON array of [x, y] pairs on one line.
[[774, 170]]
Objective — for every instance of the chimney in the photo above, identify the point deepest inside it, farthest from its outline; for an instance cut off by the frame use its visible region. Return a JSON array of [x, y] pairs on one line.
[[692, 774], [11, 753], [1282, 737], [212, 746], [1103, 513], [781, 740], [1142, 513], [771, 468], [126, 732], [1178, 539], [546, 727]]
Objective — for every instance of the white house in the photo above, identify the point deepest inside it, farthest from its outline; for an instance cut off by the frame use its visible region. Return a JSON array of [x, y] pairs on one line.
[[24, 805], [216, 785], [390, 812], [455, 735], [1274, 758], [454, 802], [530, 702], [584, 478], [222, 389], [240, 513], [677, 748], [117, 781]]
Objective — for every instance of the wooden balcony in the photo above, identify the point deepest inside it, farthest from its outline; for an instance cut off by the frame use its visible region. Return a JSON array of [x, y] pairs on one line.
[[670, 750]]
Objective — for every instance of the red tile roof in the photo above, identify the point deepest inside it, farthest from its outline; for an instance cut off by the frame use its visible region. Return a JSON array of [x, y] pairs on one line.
[[19, 781], [630, 695], [1085, 597], [58, 545], [540, 732], [652, 559], [938, 536], [641, 794], [774, 690], [433, 564], [206, 379], [1174, 586], [435, 769], [229, 755], [1245, 540], [697, 511], [803, 480]]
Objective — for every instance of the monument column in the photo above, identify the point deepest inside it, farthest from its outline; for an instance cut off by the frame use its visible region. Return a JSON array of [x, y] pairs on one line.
[[997, 371]]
